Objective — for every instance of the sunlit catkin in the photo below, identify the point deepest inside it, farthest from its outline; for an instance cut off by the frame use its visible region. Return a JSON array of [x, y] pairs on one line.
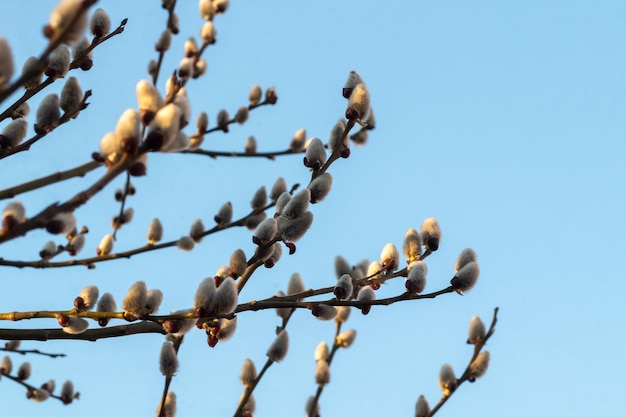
[[346, 338], [155, 231], [255, 95], [106, 245], [87, 298], [447, 380], [430, 234], [476, 330], [322, 373], [68, 21], [479, 366], [321, 352], [412, 245], [135, 300], [248, 372]]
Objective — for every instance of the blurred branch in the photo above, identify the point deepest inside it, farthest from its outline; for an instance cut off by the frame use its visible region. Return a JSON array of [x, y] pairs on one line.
[[41, 64], [42, 218], [91, 335], [97, 41], [34, 351], [58, 176], [43, 58], [64, 119], [215, 154], [168, 379], [30, 388]]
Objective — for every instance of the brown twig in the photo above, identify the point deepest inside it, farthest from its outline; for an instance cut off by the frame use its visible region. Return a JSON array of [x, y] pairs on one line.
[[215, 154], [58, 176], [64, 119], [52, 45], [34, 351], [91, 335], [73, 65], [41, 219], [331, 355], [466, 374], [126, 254]]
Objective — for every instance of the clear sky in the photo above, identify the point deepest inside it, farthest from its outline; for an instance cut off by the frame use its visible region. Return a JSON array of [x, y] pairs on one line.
[[504, 120]]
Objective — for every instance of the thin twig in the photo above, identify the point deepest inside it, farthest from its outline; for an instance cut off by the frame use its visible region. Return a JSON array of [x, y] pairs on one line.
[[58, 176], [64, 119], [35, 351], [320, 388], [52, 45], [215, 154], [48, 81], [42, 218], [466, 374], [126, 254]]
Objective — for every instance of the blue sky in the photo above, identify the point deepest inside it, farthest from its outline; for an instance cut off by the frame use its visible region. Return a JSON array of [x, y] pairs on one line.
[[504, 120]]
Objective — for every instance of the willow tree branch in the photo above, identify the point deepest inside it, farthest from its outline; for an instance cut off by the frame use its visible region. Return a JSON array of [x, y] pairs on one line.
[[331, 355], [66, 117], [466, 374], [79, 171], [126, 254], [272, 303], [76, 63], [43, 58], [91, 335], [42, 218], [215, 154], [34, 351]]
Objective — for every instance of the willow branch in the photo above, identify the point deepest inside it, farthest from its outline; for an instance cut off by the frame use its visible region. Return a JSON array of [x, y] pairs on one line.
[[41, 219], [215, 154], [250, 388], [34, 351], [466, 374], [58, 176], [30, 388], [43, 58], [76, 63], [64, 119], [336, 154], [126, 254], [91, 335], [97, 41], [320, 387], [168, 379]]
